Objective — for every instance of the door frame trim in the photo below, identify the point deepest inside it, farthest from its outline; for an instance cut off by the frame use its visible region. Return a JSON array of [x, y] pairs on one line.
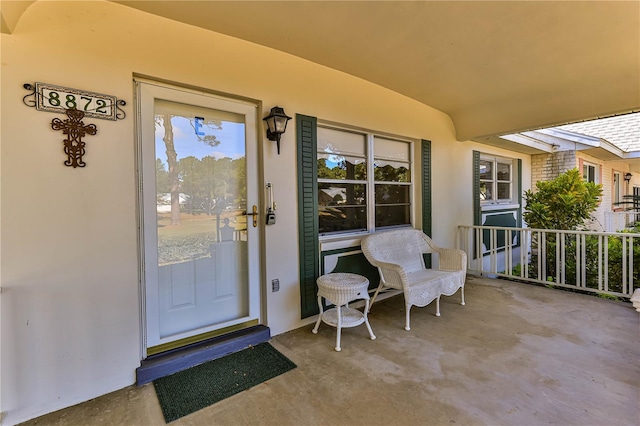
[[260, 196]]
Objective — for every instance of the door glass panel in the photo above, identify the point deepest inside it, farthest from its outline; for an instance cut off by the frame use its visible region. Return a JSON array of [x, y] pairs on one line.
[[201, 232]]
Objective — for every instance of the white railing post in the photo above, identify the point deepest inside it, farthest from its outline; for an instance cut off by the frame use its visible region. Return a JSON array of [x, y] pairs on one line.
[[629, 289], [624, 263], [561, 273], [600, 283], [626, 287], [581, 263], [479, 254], [524, 244], [605, 261]]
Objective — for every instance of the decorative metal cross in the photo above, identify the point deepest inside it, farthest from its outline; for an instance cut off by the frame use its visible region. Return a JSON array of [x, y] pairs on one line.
[[75, 130]]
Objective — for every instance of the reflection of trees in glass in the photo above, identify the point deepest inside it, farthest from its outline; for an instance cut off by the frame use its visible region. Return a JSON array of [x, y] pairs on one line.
[[389, 173], [162, 180], [348, 195], [212, 184], [207, 186], [392, 199], [342, 170], [164, 120]]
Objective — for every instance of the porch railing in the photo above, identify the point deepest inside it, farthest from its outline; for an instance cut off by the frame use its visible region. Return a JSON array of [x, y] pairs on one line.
[[599, 262]]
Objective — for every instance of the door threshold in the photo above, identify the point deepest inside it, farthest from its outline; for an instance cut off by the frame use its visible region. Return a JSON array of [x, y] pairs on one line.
[[167, 363]]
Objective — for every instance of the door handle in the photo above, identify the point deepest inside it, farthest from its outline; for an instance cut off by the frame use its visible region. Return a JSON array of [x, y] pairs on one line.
[[254, 214]]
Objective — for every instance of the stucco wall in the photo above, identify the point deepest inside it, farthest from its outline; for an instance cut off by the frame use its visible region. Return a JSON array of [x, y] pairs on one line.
[[70, 315]]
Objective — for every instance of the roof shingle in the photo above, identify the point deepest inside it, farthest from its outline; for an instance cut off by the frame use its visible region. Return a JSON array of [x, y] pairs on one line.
[[622, 131]]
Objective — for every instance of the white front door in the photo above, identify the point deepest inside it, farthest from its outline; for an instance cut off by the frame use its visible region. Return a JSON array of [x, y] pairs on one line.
[[201, 254]]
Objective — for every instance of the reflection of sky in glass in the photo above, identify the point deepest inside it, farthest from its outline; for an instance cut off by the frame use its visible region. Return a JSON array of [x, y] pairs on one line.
[[230, 136], [333, 161], [334, 156]]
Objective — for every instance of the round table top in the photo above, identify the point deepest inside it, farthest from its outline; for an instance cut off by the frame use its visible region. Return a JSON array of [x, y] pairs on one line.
[[341, 279], [342, 287]]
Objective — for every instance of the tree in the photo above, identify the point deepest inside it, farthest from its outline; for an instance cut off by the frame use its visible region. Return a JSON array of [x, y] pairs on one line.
[[164, 120], [162, 178], [562, 203]]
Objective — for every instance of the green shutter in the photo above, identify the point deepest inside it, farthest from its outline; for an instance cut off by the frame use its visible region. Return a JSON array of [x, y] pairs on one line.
[[477, 208], [477, 212], [426, 187], [426, 193], [308, 213], [519, 198]]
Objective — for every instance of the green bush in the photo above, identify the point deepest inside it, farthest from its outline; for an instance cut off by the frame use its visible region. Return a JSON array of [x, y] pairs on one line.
[[562, 203]]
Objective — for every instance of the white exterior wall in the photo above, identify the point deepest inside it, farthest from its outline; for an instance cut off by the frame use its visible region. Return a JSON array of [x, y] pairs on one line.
[[70, 315]]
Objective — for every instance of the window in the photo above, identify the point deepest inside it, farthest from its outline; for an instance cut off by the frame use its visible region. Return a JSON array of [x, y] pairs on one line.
[[589, 172], [497, 198], [364, 181], [617, 188], [392, 179], [496, 180], [342, 181]]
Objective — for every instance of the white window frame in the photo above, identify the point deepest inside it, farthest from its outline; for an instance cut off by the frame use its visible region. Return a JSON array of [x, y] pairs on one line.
[[596, 172], [370, 182], [618, 190], [494, 181]]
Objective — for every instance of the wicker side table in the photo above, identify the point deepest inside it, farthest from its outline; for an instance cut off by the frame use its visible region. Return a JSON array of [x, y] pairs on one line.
[[340, 289]]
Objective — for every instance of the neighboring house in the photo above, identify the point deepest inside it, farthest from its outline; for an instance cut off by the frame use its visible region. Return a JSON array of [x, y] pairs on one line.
[[607, 151]]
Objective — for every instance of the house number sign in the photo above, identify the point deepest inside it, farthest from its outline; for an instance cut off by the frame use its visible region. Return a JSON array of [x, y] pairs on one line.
[[52, 98], [76, 104]]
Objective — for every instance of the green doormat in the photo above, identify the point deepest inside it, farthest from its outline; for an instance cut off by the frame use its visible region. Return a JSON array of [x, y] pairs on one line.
[[190, 390]]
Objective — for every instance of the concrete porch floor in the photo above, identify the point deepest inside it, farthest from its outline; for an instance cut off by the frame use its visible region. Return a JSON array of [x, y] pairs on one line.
[[516, 354]]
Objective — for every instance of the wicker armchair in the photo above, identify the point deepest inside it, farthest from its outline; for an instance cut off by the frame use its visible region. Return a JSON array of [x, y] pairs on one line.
[[398, 255]]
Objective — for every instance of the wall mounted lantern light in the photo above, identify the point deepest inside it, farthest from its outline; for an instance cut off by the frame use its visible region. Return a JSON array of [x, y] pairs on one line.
[[627, 177], [276, 124]]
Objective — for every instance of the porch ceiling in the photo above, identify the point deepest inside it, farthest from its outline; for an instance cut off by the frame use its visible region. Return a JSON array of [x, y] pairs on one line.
[[494, 67]]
